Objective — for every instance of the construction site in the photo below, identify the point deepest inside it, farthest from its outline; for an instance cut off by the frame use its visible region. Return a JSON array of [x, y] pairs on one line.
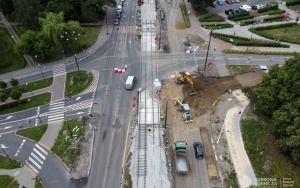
[[195, 107]]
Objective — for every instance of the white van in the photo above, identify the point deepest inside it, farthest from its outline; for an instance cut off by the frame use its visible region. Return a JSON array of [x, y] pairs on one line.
[[246, 8], [130, 82], [119, 8]]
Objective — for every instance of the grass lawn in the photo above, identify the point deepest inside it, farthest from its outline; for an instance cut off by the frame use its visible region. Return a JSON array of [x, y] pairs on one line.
[[238, 69], [91, 35], [64, 146], [231, 179], [8, 182], [211, 17], [295, 7], [73, 86], [267, 160], [38, 183], [32, 86], [34, 133], [9, 60], [217, 26], [24, 104], [289, 34], [185, 15], [9, 163]]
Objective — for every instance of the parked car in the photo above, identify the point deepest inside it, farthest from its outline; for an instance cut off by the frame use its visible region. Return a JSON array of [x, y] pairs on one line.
[[199, 153], [264, 68], [232, 11], [116, 22], [227, 12], [245, 8], [237, 1], [254, 7], [219, 2], [118, 15], [233, 1], [228, 1], [237, 11]]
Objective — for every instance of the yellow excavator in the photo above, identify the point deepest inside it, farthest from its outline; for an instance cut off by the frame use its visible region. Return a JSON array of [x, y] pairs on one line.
[[185, 109], [185, 77]]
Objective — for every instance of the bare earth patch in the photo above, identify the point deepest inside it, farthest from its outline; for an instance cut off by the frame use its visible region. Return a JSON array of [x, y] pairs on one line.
[[180, 26]]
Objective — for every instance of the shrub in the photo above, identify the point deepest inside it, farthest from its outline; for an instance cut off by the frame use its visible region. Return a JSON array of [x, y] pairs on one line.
[[216, 26], [278, 11], [247, 22], [242, 41], [243, 18], [292, 2], [242, 14], [274, 26], [267, 8], [259, 52], [274, 19], [211, 17]]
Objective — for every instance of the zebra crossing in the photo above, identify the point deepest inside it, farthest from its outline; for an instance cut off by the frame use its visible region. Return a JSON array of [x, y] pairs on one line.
[[83, 104], [56, 111], [94, 84], [59, 69], [127, 29], [36, 159]]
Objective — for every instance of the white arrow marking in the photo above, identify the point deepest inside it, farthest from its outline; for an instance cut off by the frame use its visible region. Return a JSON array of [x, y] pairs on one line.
[[3, 146], [8, 117], [6, 127], [78, 98]]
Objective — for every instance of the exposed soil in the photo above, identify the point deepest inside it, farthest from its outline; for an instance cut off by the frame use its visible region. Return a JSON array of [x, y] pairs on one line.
[[208, 89]]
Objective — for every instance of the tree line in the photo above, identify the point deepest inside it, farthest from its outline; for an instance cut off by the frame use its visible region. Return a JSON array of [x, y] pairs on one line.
[[278, 96]]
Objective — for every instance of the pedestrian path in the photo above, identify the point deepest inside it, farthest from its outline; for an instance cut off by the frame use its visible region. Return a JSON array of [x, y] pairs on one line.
[[36, 159], [56, 111], [83, 104], [59, 69]]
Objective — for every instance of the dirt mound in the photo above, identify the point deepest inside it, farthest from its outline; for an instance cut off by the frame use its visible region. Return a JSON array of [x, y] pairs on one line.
[[180, 26], [208, 90]]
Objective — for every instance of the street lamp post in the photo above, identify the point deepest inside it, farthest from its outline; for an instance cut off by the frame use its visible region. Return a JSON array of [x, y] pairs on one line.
[[77, 67], [41, 71], [106, 19], [208, 48], [30, 91], [71, 134], [40, 120], [250, 40], [29, 123]]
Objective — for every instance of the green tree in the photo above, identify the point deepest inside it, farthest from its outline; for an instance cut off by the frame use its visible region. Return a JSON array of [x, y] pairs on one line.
[[27, 12], [14, 82], [3, 97], [3, 85], [26, 43], [15, 94], [201, 5], [7, 7], [93, 9], [71, 9], [278, 95]]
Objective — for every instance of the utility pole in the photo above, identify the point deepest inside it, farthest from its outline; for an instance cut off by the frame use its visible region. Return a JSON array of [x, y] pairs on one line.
[[77, 67], [208, 48]]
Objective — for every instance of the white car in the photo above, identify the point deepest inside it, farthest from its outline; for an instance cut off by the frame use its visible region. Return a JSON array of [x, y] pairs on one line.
[[246, 8], [264, 68]]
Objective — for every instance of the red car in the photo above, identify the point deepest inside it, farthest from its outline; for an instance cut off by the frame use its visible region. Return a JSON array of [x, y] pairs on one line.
[[228, 1]]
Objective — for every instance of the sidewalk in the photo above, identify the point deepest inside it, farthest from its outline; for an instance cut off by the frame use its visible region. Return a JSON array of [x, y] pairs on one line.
[[24, 176]]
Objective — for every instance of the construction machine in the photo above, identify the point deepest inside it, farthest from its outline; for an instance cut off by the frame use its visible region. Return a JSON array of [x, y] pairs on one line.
[[185, 77], [185, 109]]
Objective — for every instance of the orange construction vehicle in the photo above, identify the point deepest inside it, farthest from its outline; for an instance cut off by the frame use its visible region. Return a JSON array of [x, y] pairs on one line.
[[185, 77]]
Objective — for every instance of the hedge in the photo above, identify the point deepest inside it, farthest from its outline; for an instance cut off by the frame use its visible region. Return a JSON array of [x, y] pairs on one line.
[[274, 26], [243, 18], [292, 2], [273, 19], [247, 22], [211, 17], [242, 14], [259, 52], [267, 8], [242, 41], [216, 26], [278, 11]]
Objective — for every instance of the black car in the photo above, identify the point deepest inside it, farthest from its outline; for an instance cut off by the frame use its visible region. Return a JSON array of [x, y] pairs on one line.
[[199, 153], [237, 11], [254, 7], [232, 11], [227, 12], [118, 15]]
